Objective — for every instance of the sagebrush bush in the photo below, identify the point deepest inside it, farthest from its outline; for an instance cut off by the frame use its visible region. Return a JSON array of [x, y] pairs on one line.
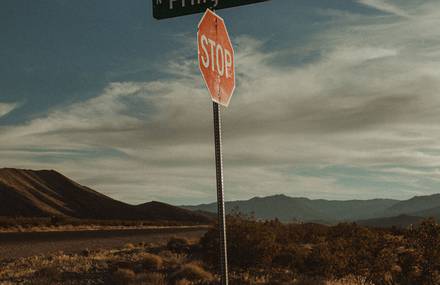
[[191, 272], [151, 262], [172, 259], [52, 273], [183, 282], [151, 279], [178, 245], [250, 243], [123, 276], [129, 246]]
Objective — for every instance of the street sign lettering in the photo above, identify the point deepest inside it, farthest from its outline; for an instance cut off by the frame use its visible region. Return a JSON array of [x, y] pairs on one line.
[[163, 9], [216, 58]]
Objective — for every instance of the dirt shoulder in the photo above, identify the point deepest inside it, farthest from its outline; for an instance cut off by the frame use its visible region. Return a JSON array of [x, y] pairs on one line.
[[19, 245]]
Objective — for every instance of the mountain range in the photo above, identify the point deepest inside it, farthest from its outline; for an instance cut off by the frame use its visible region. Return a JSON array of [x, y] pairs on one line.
[[368, 212], [47, 193]]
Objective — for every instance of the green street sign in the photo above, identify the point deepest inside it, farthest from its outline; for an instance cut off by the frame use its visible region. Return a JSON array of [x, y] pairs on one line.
[[163, 9]]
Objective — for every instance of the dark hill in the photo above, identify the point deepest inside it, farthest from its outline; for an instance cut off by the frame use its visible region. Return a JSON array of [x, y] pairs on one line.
[[161, 211], [432, 213], [47, 193]]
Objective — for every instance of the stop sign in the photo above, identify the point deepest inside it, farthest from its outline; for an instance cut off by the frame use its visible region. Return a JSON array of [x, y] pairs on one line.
[[216, 58]]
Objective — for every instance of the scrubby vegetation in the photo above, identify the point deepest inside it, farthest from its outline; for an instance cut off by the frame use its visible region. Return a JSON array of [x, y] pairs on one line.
[[260, 252], [345, 251], [151, 264]]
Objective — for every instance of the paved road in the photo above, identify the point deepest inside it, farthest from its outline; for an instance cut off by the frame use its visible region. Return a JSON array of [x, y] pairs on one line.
[[17, 245]]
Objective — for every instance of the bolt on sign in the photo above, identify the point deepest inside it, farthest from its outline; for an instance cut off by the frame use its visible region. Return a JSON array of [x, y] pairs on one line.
[[216, 58], [163, 9]]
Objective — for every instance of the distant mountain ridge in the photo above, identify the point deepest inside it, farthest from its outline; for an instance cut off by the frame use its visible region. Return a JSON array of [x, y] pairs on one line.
[[415, 206], [287, 209], [47, 193]]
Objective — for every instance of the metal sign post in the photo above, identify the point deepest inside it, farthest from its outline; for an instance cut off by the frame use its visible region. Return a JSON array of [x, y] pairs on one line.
[[217, 66], [216, 63], [220, 194]]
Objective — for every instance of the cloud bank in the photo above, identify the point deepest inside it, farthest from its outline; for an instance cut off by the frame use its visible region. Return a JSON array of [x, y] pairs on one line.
[[358, 121]]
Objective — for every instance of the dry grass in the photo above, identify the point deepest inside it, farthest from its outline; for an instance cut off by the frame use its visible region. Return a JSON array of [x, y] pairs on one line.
[[129, 246], [348, 281], [131, 264], [151, 262], [123, 276], [183, 282], [135, 264], [191, 272], [152, 279], [179, 245]]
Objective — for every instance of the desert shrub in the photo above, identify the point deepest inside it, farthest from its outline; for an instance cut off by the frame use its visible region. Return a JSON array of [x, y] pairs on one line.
[[384, 267], [179, 245], [123, 276], [426, 239], [331, 252], [183, 282], [151, 261], [304, 233], [129, 246], [151, 279], [48, 273], [410, 272], [260, 252], [292, 257], [191, 272], [240, 279], [310, 281], [85, 252], [173, 260], [122, 264], [250, 243], [353, 248], [319, 262]]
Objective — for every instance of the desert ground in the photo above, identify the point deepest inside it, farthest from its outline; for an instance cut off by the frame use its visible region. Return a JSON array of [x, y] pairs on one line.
[[259, 252]]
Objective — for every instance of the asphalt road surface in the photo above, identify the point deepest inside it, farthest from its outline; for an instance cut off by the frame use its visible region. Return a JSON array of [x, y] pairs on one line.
[[17, 245]]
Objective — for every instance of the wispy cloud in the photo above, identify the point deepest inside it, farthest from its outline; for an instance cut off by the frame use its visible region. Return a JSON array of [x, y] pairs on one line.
[[6, 108], [384, 6]]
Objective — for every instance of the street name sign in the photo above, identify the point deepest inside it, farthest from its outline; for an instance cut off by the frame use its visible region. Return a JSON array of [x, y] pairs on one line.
[[216, 58], [163, 9]]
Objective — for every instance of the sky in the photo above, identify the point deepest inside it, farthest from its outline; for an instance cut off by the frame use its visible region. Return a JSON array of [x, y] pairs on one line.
[[335, 99]]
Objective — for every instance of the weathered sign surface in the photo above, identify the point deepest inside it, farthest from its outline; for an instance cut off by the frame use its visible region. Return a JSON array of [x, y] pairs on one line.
[[216, 58]]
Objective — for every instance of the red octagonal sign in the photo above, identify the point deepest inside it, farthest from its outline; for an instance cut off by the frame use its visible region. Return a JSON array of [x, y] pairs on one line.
[[216, 58]]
